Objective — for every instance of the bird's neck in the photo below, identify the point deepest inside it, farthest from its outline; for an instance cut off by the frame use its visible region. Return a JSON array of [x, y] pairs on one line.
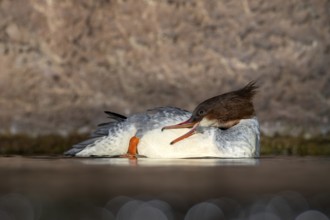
[[207, 122]]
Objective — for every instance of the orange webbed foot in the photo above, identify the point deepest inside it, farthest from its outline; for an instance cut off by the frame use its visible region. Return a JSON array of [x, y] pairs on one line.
[[132, 148]]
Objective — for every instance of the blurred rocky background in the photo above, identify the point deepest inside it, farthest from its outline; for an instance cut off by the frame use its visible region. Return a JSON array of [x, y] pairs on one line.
[[63, 62]]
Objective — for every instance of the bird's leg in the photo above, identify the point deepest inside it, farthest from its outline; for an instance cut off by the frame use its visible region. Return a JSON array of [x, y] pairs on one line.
[[132, 148]]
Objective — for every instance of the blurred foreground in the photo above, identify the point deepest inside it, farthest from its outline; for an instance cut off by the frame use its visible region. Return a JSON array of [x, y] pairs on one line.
[[104, 189]]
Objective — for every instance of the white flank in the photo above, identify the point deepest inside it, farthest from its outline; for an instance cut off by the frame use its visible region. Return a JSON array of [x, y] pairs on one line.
[[113, 145], [156, 144]]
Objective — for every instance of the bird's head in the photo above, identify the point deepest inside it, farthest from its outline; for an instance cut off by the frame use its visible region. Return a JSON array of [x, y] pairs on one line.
[[222, 111]]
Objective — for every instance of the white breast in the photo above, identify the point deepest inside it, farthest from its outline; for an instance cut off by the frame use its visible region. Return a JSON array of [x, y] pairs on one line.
[[241, 140], [156, 144]]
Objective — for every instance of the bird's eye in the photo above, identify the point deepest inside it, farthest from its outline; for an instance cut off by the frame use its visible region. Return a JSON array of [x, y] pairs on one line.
[[201, 112]]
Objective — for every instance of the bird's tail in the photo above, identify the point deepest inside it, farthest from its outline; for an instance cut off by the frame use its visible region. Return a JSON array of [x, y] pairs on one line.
[[101, 131]]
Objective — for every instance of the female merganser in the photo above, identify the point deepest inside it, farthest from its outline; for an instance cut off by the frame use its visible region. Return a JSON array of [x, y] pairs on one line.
[[223, 126]]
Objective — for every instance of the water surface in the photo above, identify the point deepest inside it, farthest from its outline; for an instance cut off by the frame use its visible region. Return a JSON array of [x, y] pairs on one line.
[[247, 187]]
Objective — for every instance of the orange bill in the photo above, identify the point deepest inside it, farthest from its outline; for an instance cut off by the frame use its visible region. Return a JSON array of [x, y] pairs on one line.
[[185, 124], [186, 135]]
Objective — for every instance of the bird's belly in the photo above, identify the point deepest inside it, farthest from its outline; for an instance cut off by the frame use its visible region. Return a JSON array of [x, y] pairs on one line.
[[156, 144]]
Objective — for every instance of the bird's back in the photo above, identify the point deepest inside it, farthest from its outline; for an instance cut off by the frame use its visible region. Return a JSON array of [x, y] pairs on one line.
[[112, 138]]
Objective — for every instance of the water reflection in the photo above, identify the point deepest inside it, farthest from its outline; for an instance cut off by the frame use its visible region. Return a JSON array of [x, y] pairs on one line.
[[200, 162]]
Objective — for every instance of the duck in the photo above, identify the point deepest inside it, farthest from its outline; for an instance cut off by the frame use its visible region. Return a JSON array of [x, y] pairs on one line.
[[224, 126]]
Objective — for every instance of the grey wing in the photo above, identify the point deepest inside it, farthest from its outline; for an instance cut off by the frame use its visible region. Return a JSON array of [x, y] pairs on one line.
[[157, 118], [80, 146], [169, 110], [101, 131]]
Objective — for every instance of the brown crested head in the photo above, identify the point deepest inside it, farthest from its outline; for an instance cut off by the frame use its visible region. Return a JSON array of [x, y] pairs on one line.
[[228, 107], [223, 111]]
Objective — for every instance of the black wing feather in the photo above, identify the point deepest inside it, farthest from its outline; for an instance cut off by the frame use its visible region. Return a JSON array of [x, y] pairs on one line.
[[114, 115]]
